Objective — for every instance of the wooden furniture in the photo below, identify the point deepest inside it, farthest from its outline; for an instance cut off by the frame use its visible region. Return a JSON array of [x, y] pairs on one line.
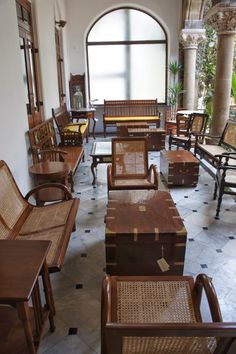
[[21, 220], [21, 264], [225, 179], [49, 172], [77, 86], [129, 168], [145, 234], [130, 111], [122, 128], [162, 314], [155, 137], [187, 127], [179, 167], [100, 153], [87, 113], [67, 128], [43, 137]]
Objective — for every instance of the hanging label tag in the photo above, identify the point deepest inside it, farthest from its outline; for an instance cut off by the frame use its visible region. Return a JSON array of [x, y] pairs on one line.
[[163, 265]]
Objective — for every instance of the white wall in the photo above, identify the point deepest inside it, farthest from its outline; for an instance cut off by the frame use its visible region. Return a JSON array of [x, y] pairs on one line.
[[13, 115]]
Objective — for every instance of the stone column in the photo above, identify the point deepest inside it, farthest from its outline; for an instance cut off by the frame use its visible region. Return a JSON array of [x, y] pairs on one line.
[[190, 38], [222, 17]]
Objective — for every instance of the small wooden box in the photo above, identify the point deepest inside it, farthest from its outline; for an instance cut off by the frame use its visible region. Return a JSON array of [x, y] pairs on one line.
[[179, 167], [156, 137], [141, 228]]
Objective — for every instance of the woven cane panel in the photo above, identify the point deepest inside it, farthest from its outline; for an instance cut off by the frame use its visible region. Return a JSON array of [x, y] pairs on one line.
[[197, 124], [55, 235], [50, 216], [12, 203], [154, 302], [4, 231], [230, 135], [130, 158], [168, 345]]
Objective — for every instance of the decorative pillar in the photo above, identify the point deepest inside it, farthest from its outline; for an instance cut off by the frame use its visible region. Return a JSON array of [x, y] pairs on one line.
[[222, 17], [190, 38]]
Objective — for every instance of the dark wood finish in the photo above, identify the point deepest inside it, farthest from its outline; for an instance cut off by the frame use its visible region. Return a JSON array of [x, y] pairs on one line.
[[122, 128], [100, 153], [179, 167], [22, 220], [77, 81], [43, 137], [142, 227], [77, 132], [171, 335], [130, 111], [19, 284], [187, 127], [86, 113], [155, 136], [129, 168]]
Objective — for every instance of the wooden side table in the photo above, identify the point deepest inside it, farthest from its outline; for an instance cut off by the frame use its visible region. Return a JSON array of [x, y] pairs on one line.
[[21, 263], [100, 153], [86, 113]]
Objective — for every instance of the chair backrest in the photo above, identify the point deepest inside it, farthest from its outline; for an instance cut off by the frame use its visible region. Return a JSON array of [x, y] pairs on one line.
[[198, 123], [229, 134], [12, 203], [61, 116], [129, 157], [182, 124]]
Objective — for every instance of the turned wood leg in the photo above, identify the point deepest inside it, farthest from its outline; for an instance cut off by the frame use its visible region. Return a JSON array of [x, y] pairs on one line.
[[24, 316]]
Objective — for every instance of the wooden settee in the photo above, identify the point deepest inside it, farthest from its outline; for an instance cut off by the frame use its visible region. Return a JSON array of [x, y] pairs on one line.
[[43, 137], [21, 220], [130, 111]]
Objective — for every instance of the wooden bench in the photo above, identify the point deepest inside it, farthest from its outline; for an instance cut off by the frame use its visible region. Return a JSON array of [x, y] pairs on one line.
[[21, 220], [43, 138], [208, 148], [130, 111]]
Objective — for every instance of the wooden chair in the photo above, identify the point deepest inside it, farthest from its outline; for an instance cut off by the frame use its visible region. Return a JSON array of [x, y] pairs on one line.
[[129, 168], [225, 178], [69, 130], [161, 314], [187, 128]]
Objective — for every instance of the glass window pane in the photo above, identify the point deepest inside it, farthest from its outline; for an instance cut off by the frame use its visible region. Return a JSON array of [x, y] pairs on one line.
[[144, 27]]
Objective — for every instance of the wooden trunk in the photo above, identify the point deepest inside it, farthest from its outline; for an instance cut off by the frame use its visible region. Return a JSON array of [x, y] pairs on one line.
[[179, 167], [122, 128], [141, 228], [156, 137]]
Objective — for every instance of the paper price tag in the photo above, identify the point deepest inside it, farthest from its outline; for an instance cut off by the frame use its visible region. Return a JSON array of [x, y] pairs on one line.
[[163, 265]]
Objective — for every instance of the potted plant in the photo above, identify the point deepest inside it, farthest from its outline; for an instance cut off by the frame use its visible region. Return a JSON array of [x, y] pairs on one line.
[[176, 88]]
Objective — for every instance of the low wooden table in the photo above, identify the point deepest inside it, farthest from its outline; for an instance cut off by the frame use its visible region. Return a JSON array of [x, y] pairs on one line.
[[122, 128], [179, 167], [50, 172], [141, 228], [21, 264], [156, 137], [100, 153]]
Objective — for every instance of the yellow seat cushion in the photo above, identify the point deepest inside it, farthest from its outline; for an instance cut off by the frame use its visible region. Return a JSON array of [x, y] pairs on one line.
[[134, 118], [76, 128]]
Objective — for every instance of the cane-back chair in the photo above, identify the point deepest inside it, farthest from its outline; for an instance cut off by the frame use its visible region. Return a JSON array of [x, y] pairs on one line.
[[67, 128], [161, 314], [187, 128], [129, 168]]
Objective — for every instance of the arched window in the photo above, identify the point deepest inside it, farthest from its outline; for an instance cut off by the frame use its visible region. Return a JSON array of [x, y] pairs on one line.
[[126, 54]]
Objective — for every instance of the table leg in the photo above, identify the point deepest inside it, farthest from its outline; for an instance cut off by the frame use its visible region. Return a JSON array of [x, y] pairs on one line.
[[48, 295], [93, 166], [24, 316], [94, 126]]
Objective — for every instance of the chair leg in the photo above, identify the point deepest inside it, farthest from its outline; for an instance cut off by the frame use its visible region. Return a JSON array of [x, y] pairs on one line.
[[170, 142], [219, 203], [215, 191]]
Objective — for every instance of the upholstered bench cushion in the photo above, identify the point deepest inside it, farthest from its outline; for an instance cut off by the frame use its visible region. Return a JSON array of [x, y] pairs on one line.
[[130, 118], [76, 128]]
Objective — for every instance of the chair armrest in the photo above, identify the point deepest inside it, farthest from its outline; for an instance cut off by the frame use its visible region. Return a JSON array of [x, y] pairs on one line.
[[226, 156], [204, 282], [153, 170], [67, 193]]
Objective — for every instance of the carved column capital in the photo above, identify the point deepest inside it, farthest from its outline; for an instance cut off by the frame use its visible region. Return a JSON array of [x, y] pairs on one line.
[[191, 37], [222, 18]]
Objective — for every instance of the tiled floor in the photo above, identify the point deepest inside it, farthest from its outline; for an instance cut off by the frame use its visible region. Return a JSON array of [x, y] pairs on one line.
[[210, 249]]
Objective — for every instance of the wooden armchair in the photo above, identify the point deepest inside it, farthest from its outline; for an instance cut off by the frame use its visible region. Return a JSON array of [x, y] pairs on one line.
[[187, 128], [129, 168], [225, 178], [70, 133], [160, 314]]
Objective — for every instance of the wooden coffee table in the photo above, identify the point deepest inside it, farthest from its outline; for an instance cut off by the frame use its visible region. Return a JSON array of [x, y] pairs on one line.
[[141, 228], [21, 264], [156, 137], [100, 153], [179, 167]]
